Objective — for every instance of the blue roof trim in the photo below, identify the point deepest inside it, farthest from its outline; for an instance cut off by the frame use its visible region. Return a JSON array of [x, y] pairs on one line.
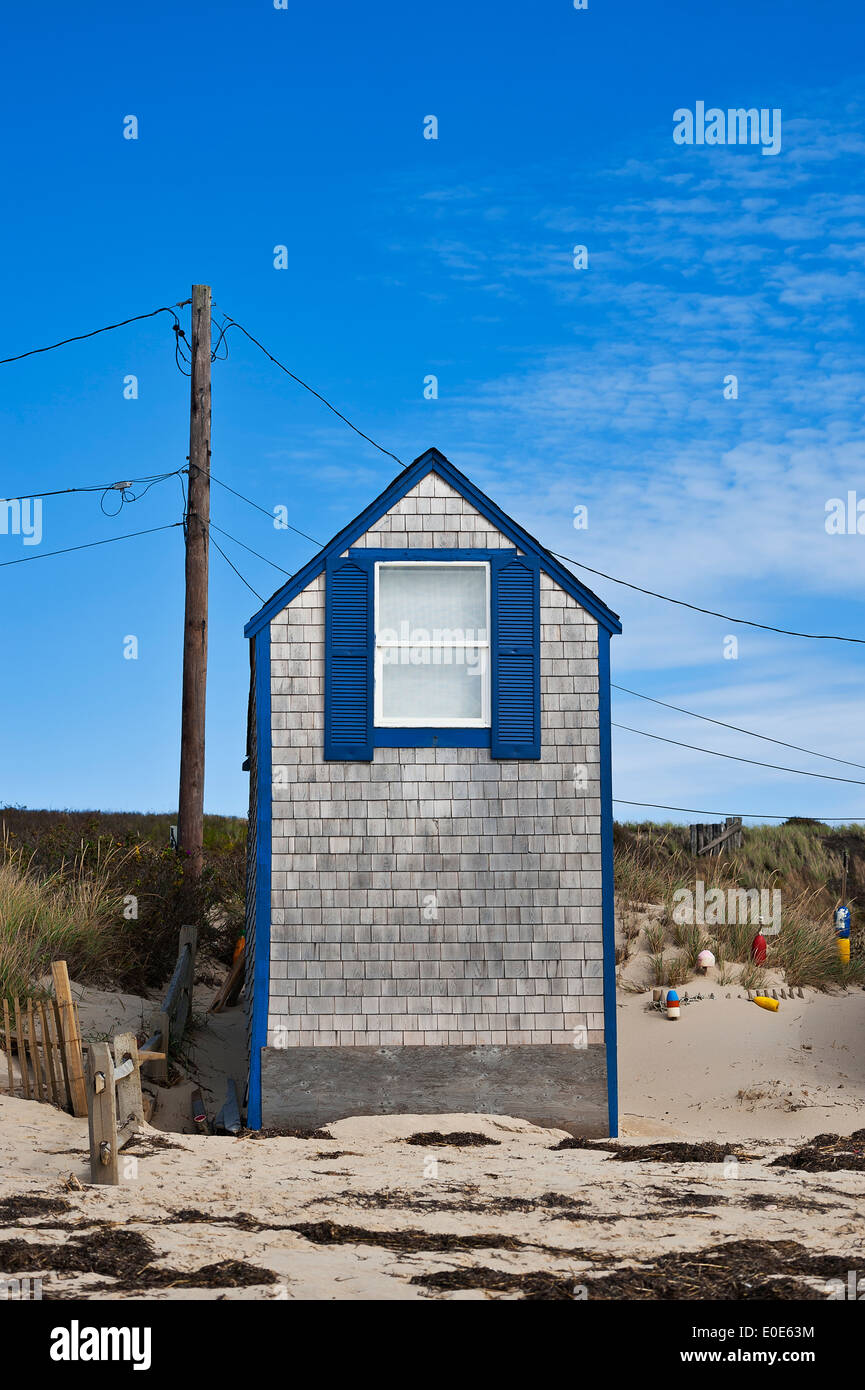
[[434, 462]]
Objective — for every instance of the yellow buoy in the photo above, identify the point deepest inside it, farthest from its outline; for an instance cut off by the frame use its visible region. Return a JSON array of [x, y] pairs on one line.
[[765, 1003], [844, 949]]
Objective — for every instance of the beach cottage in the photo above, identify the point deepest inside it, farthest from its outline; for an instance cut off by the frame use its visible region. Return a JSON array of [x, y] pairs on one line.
[[430, 875]]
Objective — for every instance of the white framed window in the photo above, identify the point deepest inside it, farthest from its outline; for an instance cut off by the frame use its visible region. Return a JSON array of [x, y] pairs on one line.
[[432, 644]]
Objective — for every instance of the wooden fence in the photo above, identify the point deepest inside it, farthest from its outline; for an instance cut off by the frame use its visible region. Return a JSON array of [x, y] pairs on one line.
[[46, 1039], [115, 1101], [169, 1023], [712, 839], [114, 1091]]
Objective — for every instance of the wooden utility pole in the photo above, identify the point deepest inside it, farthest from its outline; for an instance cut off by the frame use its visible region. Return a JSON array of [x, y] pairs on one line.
[[190, 820]]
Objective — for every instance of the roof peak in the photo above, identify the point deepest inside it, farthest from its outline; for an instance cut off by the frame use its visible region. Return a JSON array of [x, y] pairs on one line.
[[432, 460]]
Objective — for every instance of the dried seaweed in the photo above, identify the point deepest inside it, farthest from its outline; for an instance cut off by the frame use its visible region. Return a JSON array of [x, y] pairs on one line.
[[328, 1233], [459, 1139], [827, 1153]]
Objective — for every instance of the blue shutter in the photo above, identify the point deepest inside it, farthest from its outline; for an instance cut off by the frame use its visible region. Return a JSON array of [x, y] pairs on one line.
[[348, 661], [515, 684]]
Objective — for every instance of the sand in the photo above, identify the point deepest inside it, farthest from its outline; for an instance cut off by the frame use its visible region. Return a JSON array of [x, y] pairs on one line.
[[726, 1071]]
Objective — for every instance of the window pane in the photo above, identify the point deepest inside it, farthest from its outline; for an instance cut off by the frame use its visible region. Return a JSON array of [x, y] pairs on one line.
[[418, 602], [418, 688]]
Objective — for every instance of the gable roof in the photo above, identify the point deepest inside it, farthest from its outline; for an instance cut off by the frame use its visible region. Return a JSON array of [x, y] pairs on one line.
[[432, 461]]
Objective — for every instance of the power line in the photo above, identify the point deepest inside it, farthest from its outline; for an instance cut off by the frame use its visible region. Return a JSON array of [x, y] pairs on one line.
[[824, 776], [265, 512], [737, 729], [97, 487], [79, 337], [745, 815], [747, 622], [214, 527], [229, 322], [48, 554], [236, 570]]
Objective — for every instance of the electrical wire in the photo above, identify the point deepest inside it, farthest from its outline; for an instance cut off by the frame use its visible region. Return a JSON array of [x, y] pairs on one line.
[[236, 570], [737, 728], [79, 337], [229, 322], [800, 772], [250, 549], [745, 815], [49, 554], [150, 478], [747, 622], [264, 512]]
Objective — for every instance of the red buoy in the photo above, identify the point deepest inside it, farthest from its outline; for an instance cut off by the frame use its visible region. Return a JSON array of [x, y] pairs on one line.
[[758, 949]]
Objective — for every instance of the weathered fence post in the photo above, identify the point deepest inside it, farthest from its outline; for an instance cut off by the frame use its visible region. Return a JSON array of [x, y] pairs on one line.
[[71, 1035], [130, 1102], [102, 1116]]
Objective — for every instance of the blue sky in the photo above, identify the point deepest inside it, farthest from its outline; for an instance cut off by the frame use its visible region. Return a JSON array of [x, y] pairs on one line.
[[408, 257]]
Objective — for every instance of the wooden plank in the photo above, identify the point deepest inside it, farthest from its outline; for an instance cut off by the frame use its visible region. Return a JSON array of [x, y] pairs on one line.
[[553, 1085], [48, 1048], [130, 1106], [9, 1047], [102, 1116], [231, 984], [34, 1051], [61, 1050], [71, 1037], [22, 1053], [161, 1025]]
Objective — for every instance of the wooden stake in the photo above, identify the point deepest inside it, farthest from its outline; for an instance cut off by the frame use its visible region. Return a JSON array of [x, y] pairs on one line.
[[190, 819], [34, 1052], [71, 1038], [48, 1049], [22, 1051], [8, 1047], [61, 1048]]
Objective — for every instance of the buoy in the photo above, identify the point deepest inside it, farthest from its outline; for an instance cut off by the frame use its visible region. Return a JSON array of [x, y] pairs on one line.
[[765, 1003], [758, 949], [704, 960], [672, 1004], [842, 933]]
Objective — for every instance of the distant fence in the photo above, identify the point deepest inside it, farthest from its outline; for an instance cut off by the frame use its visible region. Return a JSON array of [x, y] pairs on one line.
[[712, 839]]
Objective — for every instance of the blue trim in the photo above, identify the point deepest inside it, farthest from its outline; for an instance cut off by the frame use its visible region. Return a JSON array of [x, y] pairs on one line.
[[425, 737], [431, 738], [429, 462], [608, 917], [514, 701], [263, 849], [349, 658]]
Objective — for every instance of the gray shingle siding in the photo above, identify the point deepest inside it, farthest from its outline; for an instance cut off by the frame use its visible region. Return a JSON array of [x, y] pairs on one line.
[[435, 896]]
